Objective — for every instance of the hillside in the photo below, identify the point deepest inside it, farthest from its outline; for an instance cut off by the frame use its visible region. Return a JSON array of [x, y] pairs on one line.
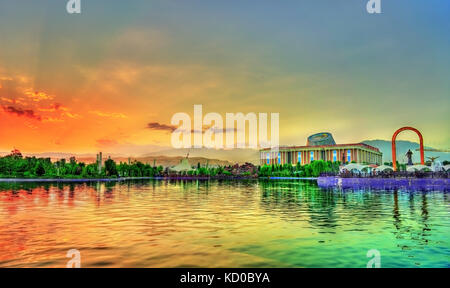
[[165, 161], [171, 157], [402, 148], [234, 155]]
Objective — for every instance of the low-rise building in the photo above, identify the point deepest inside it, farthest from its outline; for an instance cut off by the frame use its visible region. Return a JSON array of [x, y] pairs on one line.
[[322, 147]]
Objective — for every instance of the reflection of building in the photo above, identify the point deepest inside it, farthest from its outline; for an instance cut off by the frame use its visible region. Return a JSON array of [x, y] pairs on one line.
[[322, 147]]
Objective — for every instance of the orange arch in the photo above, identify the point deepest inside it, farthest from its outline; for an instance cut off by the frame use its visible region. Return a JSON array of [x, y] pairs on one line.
[[394, 148]]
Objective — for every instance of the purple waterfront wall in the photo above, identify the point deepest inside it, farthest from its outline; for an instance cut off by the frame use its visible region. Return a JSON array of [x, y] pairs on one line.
[[385, 183]]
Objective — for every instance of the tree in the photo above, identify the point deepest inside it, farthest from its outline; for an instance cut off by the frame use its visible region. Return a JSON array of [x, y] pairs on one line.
[[318, 167], [39, 171], [15, 153], [110, 168]]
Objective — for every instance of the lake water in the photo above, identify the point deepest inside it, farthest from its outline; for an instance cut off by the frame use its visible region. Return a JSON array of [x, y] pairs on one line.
[[220, 224]]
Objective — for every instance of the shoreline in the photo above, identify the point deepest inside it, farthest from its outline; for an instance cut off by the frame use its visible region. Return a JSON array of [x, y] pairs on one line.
[[325, 182], [83, 180], [24, 180], [384, 183]]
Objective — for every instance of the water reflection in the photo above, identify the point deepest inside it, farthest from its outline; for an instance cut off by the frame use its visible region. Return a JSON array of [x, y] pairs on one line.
[[325, 207], [359, 210], [220, 223]]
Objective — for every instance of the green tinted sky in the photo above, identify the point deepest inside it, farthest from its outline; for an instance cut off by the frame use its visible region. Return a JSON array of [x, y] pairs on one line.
[[323, 65]]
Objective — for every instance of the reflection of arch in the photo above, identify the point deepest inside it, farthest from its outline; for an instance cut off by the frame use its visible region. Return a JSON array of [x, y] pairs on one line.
[[394, 148]]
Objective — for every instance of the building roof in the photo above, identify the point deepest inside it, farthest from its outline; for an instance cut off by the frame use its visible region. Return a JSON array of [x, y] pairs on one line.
[[183, 166], [418, 168], [320, 139], [354, 166], [384, 168], [363, 145]]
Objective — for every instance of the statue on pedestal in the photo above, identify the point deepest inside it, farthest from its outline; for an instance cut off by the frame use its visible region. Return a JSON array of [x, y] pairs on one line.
[[409, 155]]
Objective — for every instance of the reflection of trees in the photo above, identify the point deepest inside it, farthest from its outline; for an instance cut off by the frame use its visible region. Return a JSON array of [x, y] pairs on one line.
[[63, 193], [365, 206], [417, 232], [295, 200], [22, 186], [281, 196], [324, 208]]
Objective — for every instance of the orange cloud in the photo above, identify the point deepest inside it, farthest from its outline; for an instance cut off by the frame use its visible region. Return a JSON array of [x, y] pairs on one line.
[[109, 114], [13, 101], [34, 101], [7, 100], [161, 127], [52, 119], [106, 142], [3, 78], [53, 108], [20, 112], [38, 96], [56, 107], [71, 115]]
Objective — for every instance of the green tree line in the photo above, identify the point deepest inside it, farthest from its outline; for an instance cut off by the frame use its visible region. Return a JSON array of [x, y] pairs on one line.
[[16, 166], [314, 169]]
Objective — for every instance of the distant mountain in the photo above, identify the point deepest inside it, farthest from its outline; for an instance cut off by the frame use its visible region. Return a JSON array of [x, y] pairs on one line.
[[171, 157], [252, 155], [403, 147], [232, 155], [61, 155], [227, 156], [172, 161], [166, 161]]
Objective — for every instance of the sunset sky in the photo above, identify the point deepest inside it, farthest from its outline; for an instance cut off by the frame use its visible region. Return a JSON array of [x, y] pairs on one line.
[[95, 81]]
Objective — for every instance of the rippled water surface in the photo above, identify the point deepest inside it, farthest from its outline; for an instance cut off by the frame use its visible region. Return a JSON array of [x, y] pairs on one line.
[[220, 224]]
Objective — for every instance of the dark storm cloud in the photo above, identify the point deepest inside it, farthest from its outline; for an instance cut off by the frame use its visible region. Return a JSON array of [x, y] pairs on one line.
[[21, 112]]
